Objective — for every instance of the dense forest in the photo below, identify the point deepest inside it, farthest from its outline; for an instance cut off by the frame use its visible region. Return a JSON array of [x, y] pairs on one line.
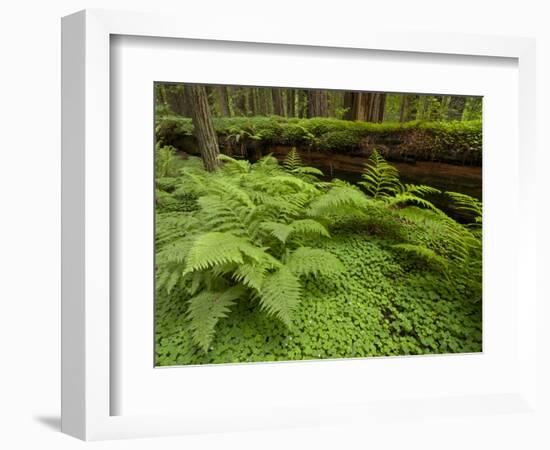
[[231, 101], [307, 224]]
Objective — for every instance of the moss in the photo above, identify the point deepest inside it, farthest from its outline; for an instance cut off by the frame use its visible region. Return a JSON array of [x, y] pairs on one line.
[[459, 142]]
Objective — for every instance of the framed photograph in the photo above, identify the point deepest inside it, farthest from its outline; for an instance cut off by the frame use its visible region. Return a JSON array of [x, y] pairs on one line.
[[261, 232]]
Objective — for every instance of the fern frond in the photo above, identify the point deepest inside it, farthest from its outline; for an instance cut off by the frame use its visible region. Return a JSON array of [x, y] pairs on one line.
[[267, 161], [250, 275], [234, 166], [175, 252], [309, 227], [280, 294], [296, 183], [281, 231], [408, 198], [307, 170], [335, 198], [424, 254], [302, 227], [292, 160], [421, 189], [172, 226], [313, 261], [205, 311], [228, 190], [466, 203], [212, 249], [380, 179]]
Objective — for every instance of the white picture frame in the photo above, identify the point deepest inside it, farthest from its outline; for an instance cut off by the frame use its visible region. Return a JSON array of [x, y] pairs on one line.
[[87, 328]]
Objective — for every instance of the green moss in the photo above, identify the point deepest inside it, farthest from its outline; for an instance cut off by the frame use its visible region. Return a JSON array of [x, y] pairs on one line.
[[458, 141]]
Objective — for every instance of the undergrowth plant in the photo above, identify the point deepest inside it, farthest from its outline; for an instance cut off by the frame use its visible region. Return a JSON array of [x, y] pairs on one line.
[[249, 240], [256, 237]]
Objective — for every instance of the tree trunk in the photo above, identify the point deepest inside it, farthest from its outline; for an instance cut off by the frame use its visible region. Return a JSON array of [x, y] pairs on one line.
[[291, 102], [204, 128], [302, 103], [224, 102], [267, 101], [238, 96], [252, 110], [278, 105], [403, 108], [348, 105], [317, 103], [258, 101], [456, 108], [360, 106], [379, 108]]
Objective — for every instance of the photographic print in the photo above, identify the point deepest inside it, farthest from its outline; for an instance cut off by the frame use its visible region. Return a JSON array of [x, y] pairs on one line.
[[306, 224]]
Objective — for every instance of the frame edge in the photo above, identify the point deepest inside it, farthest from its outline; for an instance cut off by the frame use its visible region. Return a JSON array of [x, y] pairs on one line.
[[73, 84]]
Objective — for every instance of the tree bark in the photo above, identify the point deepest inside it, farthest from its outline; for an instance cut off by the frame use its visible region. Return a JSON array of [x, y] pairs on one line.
[[204, 128], [224, 101], [278, 105], [239, 100], [360, 106], [317, 103], [348, 105], [291, 102], [252, 110], [302, 103], [456, 108], [403, 108], [379, 108]]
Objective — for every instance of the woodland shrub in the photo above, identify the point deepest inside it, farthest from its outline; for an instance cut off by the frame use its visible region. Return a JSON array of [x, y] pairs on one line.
[[456, 142]]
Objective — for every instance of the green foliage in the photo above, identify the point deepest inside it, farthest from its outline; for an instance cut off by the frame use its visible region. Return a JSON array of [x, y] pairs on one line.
[[465, 203], [380, 179], [345, 271], [249, 223], [374, 307], [456, 141], [165, 162], [293, 164], [206, 309], [340, 141]]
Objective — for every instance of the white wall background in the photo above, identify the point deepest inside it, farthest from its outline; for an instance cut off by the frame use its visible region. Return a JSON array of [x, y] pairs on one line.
[[29, 225]]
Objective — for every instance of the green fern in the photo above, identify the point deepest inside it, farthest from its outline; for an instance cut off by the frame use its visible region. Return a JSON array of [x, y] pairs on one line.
[[205, 311], [336, 198], [293, 164], [280, 294], [380, 179], [424, 254], [254, 232], [313, 261], [292, 161], [298, 227], [470, 205]]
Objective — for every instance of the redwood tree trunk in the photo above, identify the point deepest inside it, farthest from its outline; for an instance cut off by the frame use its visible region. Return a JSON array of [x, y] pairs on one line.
[[456, 108], [360, 106], [302, 103], [348, 105], [204, 129], [403, 108], [317, 103], [278, 105], [224, 101], [252, 107], [291, 102]]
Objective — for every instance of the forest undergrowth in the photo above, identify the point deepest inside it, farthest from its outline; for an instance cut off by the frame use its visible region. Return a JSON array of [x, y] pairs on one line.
[[266, 262]]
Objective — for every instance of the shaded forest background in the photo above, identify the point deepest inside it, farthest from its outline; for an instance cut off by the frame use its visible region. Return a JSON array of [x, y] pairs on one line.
[[230, 101]]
